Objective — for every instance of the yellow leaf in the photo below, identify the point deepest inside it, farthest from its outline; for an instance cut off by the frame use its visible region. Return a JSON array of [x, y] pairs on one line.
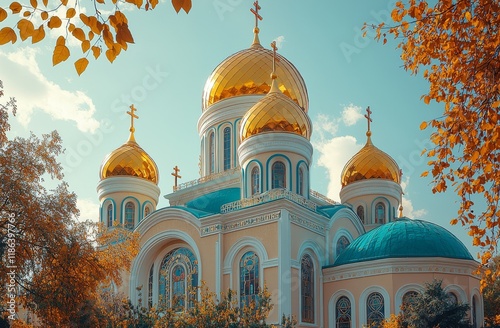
[[85, 45], [54, 22], [34, 3], [427, 99], [182, 4], [38, 35], [496, 104], [423, 125], [61, 53], [26, 28], [71, 27], [79, 34], [64, 2], [44, 15], [27, 13], [81, 65], [424, 174], [61, 41], [45, 2], [7, 35], [96, 51], [91, 35], [15, 7], [3, 14], [468, 16], [475, 156], [111, 55], [153, 3], [70, 13]]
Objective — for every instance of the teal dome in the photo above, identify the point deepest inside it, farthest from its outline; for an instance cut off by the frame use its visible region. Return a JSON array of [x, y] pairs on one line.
[[404, 238]]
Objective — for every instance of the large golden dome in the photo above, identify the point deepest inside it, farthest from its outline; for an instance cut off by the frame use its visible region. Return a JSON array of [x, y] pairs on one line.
[[370, 163], [247, 72], [129, 160], [275, 113]]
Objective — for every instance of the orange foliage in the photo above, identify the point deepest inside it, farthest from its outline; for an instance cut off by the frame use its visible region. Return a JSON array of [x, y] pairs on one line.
[[95, 31], [456, 44]]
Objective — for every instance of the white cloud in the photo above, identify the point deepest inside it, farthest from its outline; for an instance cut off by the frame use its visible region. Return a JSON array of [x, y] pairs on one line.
[[351, 114], [408, 209], [279, 41], [89, 210], [33, 91]]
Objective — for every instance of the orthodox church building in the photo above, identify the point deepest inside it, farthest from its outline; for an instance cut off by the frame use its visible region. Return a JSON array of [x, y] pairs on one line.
[[252, 220]]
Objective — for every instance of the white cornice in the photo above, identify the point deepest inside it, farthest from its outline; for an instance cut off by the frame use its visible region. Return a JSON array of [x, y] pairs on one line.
[[128, 184], [379, 187]]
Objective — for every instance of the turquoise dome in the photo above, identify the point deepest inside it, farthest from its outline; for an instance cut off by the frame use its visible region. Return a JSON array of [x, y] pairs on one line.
[[402, 239]]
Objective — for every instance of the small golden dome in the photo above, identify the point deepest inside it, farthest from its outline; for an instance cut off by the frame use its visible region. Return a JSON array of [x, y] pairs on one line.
[[247, 73], [129, 160], [275, 113], [370, 163]]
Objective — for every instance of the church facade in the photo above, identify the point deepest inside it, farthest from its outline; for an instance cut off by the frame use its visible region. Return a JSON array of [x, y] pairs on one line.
[[252, 219]]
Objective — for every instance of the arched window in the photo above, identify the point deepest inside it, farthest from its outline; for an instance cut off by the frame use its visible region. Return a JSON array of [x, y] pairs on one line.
[[409, 298], [380, 213], [342, 244], [249, 278], [374, 309], [300, 182], [343, 313], [147, 210], [361, 213], [452, 298], [255, 177], [110, 215], [211, 150], [150, 287], [278, 175], [129, 215], [178, 277], [307, 288], [474, 311], [227, 148]]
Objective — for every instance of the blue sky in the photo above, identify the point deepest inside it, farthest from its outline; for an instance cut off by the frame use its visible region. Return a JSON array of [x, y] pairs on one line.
[[164, 72]]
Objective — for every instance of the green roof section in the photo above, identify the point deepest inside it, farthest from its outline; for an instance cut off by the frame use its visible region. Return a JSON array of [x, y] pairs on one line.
[[404, 238], [211, 202]]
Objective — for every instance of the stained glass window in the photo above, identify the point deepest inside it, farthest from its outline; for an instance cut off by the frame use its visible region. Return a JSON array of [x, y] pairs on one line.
[[361, 213], [129, 215], [150, 287], [110, 215], [211, 146], [227, 148], [278, 175], [300, 183], [379, 213], [307, 288], [343, 313], [255, 177], [178, 277], [249, 277], [342, 244], [375, 309]]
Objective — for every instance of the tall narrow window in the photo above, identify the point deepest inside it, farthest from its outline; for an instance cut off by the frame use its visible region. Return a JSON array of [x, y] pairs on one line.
[[361, 213], [375, 309], [278, 175], [227, 148], [211, 146], [110, 215], [150, 287], [147, 210], [343, 313], [307, 288], [129, 215], [380, 213], [474, 311], [342, 244], [178, 277], [255, 177], [300, 182], [249, 278], [452, 298]]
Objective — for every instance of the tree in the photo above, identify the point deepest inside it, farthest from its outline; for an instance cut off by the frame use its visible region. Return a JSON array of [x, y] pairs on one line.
[[105, 27], [433, 308], [456, 45], [48, 257], [491, 293]]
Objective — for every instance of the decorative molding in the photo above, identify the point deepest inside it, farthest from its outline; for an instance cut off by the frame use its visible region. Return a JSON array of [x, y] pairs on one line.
[[308, 224], [206, 178], [232, 226]]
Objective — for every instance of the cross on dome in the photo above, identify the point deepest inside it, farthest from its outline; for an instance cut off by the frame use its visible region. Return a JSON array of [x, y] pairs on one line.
[[132, 116], [256, 13], [176, 175], [369, 119]]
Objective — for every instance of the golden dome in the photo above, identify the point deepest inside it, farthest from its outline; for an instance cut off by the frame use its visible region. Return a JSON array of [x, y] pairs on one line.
[[370, 163], [247, 72], [129, 160], [275, 113]]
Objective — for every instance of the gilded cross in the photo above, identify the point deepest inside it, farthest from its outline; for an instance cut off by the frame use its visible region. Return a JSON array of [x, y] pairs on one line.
[[368, 117], [256, 13], [275, 48], [176, 174], [132, 116]]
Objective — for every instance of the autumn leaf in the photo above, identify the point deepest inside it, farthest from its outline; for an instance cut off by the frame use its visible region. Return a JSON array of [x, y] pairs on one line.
[[70, 13], [54, 22], [7, 35], [26, 28], [182, 4], [79, 34], [44, 15], [81, 65], [85, 46], [96, 51], [61, 53], [34, 3], [3, 14], [423, 125], [38, 35], [15, 7]]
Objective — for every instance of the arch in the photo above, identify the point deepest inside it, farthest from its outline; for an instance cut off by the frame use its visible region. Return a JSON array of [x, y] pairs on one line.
[[226, 148], [255, 177], [103, 210], [314, 250], [363, 303], [360, 211], [150, 286], [398, 297], [341, 233], [307, 289], [247, 174], [380, 213], [278, 175], [387, 205], [249, 277], [241, 245], [147, 206], [457, 291], [109, 215], [332, 313], [477, 301], [288, 174], [129, 221], [302, 179], [211, 152], [136, 203]]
